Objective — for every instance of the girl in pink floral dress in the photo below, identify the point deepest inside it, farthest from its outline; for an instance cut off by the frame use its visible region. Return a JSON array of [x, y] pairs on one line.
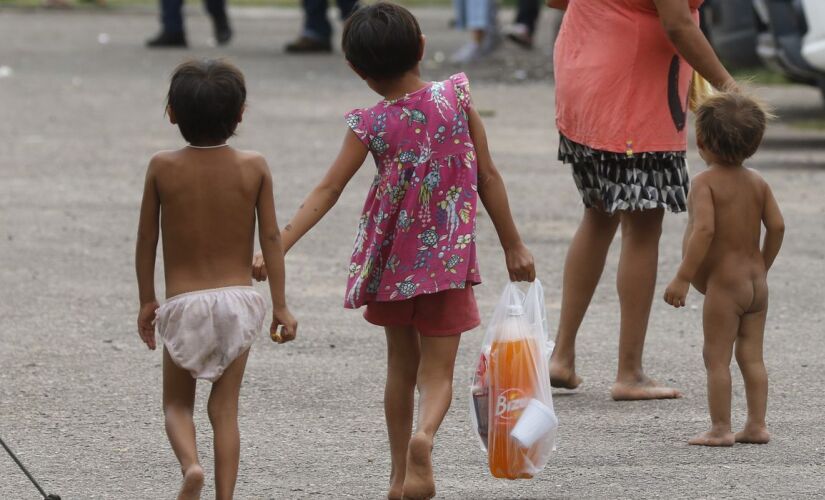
[[414, 260]]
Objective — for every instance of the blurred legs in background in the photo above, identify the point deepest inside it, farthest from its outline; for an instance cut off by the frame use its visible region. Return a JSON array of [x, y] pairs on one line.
[[172, 31], [478, 17], [524, 26], [317, 33]]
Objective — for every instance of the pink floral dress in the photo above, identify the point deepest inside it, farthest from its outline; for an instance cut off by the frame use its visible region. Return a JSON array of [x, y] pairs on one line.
[[416, 234]]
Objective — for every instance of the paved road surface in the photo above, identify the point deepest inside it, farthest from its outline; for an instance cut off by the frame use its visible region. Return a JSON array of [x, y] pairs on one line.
[[80, 396]]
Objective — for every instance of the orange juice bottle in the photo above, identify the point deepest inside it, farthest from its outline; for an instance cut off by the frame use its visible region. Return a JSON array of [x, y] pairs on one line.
[[511, 374]]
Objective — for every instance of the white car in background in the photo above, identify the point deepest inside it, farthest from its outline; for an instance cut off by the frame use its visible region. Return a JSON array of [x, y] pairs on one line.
[[813, 45], [791, 38], [787, 36]]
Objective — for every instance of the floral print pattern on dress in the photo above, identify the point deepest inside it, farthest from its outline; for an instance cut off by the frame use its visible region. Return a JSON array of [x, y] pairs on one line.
[[416, 234]]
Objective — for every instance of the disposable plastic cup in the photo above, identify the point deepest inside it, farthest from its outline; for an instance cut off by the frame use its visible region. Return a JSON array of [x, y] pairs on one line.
[[535, 422]]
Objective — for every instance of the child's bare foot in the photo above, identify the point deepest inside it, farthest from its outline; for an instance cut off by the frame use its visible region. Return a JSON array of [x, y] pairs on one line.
[[644, 388], [713, 438], [418, 480], [396, 491], [753, 434], [563, 375], [192, 483]]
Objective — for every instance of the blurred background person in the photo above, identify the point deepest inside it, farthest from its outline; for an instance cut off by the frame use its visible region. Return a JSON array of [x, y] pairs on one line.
[[523, 30], [479, 18], [524, 25], [317, 34], [172, 32]]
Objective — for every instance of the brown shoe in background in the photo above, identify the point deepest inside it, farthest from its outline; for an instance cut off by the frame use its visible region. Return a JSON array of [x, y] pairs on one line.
[[308, 45]]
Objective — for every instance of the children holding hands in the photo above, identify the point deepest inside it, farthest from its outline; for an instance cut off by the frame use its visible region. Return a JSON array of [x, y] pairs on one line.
[[414, 262]]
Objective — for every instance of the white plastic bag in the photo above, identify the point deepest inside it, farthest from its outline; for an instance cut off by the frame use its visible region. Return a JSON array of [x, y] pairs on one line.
[[511, 405]]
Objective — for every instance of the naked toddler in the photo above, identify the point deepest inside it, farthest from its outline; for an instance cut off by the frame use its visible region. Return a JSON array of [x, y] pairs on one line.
[[728, 204]]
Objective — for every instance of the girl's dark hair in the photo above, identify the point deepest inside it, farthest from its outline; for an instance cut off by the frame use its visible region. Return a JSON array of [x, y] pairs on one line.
[[382, 40], [207, 98]]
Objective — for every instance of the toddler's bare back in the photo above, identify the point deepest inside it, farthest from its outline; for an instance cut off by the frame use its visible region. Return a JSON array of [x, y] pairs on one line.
[[208, 200], [734, 258]]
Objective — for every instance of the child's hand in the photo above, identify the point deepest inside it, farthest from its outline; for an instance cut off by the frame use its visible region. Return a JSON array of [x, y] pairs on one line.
[[146, 323], [258, 267], [676, 292], [282, 317], [520, 263]]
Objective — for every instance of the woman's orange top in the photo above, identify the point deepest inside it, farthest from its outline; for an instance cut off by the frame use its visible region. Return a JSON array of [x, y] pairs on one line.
[[621, 86]]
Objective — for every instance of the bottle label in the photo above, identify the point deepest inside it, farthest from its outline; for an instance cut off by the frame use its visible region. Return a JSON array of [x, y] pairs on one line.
[[510, 404]]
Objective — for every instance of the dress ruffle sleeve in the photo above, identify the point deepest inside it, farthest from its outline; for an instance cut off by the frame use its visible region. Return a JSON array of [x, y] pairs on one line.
[[461, 87], [357, 121]]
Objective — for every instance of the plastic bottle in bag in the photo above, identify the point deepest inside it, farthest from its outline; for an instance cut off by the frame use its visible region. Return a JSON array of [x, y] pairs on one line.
[[511, 374]]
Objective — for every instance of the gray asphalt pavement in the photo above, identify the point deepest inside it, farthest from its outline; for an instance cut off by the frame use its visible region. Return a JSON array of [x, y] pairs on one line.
[[80, 395]]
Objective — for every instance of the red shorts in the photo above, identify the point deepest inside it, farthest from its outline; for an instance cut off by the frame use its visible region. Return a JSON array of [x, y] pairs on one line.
[[442, 314]]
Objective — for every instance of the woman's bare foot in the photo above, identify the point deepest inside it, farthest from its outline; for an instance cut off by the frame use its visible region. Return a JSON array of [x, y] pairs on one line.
[[418, 480], [642, 389], [192, 483], [563, 375], [753, 434], [713, 438]]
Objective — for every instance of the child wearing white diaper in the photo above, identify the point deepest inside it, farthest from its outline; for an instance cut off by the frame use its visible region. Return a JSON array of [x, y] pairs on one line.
[[205, 198]]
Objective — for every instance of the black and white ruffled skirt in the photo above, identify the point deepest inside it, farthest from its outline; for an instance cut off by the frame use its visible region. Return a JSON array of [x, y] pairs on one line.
[[618, 181]]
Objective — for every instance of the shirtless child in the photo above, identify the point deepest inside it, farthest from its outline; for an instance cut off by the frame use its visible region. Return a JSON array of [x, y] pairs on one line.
[[206, 196], [728, 204]]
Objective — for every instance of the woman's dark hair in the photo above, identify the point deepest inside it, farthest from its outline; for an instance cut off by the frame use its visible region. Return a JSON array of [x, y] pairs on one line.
[[207, 98], [382, 40]]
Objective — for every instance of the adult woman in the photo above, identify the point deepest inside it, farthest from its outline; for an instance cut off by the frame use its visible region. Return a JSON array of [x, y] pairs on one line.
[[623, 68]]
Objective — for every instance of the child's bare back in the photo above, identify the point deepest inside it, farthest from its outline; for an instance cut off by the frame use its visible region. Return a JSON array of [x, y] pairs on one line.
[[722, 258], [733, 264], [204, 199], [209, 198]]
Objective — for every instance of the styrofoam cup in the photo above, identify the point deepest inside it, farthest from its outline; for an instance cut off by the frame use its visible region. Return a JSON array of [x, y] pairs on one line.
[[535, 422]]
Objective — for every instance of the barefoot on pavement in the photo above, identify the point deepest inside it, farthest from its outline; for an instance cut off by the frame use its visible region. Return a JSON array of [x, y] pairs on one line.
[[418, 481], [753, 435], [192, 483], [563, 377], [395, 493], [713, 438], [643, 389]]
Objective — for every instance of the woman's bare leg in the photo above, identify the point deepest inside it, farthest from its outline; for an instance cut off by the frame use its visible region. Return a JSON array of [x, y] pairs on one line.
[[223, 414], [636, 284], [582, 271], [435, 393], [399, 399], [178, 404]]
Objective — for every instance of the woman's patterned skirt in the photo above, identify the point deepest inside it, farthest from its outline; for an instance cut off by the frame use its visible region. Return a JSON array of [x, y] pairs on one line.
[[620, 181]]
